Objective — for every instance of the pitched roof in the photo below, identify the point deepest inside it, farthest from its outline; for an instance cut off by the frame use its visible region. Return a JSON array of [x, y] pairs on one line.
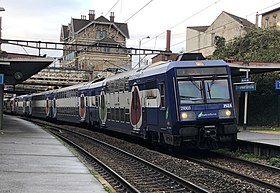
[[102, 19], [79, 24], [241, 20], [65, 32], [123, 27], [199, 28], [271, 11]]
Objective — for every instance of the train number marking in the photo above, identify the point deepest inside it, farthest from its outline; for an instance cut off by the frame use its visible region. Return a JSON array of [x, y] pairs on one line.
[[228, 105], [185, 108]]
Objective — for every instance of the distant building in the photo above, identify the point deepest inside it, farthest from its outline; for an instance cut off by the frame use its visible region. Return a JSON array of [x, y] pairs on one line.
[[271, 19], [162, 57], [201, 38], [109, 34]]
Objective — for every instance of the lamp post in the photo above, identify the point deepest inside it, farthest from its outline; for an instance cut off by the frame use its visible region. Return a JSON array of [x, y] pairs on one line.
[[2, 83], [147, 37], [1, 9]]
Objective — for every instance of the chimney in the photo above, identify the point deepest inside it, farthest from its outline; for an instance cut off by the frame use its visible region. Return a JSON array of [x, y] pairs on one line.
[[91, 15], [257, 20], [112, 17], [168, 39], [168, 34], [83, 17]]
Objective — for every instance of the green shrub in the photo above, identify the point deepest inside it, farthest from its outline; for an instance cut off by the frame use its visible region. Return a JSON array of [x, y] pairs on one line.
[[275, 161]]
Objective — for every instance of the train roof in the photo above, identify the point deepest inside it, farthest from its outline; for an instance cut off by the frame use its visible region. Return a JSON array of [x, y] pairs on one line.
[[76, 86], [92, 85], [154, 69], [163, 68]]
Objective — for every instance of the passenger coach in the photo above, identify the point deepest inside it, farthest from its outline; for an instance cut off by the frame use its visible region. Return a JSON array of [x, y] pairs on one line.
[[180, 103], [176, 103]]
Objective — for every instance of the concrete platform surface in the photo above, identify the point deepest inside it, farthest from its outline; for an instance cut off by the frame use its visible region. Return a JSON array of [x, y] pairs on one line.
[[272, 139], [31, 160]]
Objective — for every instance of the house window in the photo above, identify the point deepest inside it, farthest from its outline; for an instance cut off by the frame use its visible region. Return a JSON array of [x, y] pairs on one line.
[[106, 49], [100, 34], [274, 20], [212, 39], [266, 22]]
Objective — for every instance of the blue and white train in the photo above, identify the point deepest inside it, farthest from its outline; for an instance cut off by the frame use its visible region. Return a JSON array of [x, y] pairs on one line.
[[178, 103]]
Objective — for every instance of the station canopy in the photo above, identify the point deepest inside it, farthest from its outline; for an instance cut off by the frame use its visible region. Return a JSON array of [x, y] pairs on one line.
[[238, 68], [17, 70]]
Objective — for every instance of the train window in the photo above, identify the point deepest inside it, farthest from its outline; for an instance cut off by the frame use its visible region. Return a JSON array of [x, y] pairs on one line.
[[150, 84], [108, 114], [190, 92], [97, 101], [121, 86], [127, 116], [217, 91], [122, 114], [116, 86], [113, 114], [126, 86], [93, 101], [117, 111], [112, 87], [162, 95]]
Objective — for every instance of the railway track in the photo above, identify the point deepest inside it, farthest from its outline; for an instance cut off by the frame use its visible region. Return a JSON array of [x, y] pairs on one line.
[[213, 179], [124, 171], [262, 175]]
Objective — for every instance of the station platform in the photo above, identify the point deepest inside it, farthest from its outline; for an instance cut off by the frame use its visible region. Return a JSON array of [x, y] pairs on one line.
[[31, 160], [260, 137]]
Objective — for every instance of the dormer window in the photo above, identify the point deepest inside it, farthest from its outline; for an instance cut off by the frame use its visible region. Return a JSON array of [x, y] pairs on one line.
[[100, 34]]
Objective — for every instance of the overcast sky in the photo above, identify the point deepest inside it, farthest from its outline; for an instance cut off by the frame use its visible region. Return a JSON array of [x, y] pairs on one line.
[[42, 19]]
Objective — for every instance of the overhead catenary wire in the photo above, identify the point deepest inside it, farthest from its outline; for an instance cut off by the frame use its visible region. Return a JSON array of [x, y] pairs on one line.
[[184, 20], [263, 9], [221, 27], [112, 7], [138, 11]]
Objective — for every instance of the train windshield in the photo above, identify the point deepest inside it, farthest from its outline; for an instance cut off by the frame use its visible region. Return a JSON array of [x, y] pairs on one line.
[[217, 91], [191, 92], [201, 91]]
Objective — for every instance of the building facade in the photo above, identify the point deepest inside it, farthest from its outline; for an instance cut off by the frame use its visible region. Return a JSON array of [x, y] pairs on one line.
[[201, 38], [104, 40], [271, 19]]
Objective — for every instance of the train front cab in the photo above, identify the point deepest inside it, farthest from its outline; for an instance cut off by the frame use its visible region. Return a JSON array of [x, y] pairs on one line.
[[201, 110]]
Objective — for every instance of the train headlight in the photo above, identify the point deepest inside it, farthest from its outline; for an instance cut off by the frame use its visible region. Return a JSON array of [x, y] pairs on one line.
[[188, 116], [225, 113]]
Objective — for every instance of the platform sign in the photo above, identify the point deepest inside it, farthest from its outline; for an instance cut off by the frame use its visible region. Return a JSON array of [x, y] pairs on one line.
[[1, 78], [245, 87], [245, 79], [277, 84]]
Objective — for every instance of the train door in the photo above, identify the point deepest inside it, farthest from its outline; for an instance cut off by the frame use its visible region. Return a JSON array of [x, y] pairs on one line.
[[29, 106], [47, 107], [24, 106], [102, 108], [82, 107], [54, 108], [151, 103], [135, 109], [163, 112]]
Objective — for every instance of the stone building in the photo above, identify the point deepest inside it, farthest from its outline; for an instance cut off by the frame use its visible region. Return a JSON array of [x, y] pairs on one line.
[[271, 19], [104, 40], [201, 38]]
